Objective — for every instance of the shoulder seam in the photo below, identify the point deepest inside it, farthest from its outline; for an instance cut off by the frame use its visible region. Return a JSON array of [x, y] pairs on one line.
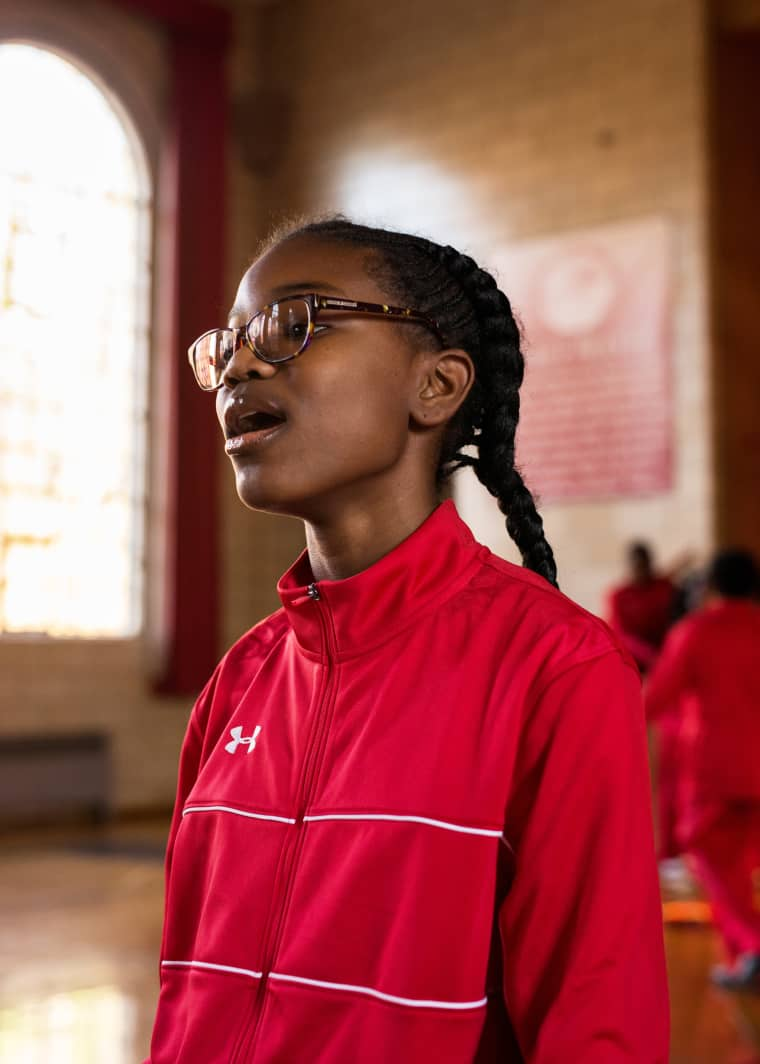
[[277, 637], [274, 626], [594, 656], [549, 590]]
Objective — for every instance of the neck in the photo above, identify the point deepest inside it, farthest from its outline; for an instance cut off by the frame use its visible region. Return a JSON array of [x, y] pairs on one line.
[[355, 535]]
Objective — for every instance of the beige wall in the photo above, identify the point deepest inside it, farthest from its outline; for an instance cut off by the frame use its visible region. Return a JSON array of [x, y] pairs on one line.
[[256, 548], [487, 124], [480, 124], [71, 685]]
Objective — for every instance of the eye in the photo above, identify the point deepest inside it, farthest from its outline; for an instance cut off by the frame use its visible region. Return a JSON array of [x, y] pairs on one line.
[[296, 330]]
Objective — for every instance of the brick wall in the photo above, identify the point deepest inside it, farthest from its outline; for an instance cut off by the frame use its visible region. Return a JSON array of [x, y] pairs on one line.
[[480, 124], [71, 685]]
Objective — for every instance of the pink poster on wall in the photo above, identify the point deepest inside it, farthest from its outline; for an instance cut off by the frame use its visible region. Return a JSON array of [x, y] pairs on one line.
[[595, 307]]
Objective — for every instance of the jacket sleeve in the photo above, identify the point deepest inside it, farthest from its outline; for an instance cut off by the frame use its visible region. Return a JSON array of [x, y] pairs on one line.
[[581, 926], [190, 759], [189, 764]]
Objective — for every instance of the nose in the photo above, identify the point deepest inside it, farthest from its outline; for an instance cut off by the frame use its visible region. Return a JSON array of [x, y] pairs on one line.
[[244, 365]]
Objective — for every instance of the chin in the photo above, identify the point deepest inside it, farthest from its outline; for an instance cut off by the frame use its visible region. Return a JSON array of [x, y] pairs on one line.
[[257, 496], [268, 494]]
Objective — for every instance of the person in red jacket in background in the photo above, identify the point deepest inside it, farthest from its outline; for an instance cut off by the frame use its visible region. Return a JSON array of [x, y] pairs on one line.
[[709, 669], [412, 820], [641, 611]]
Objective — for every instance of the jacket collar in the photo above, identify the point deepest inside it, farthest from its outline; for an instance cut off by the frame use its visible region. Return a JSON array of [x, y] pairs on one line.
[[353, 615]]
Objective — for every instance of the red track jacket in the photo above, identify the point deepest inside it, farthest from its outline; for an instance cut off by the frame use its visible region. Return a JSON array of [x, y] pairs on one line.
[[708, 675], [413, 825], [640, 615]]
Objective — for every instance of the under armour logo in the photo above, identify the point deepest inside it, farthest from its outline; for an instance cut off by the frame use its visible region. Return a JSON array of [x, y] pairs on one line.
[[238, 738]]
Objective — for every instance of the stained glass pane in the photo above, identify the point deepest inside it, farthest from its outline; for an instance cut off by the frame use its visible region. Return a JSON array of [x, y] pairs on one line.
[[74, 278]]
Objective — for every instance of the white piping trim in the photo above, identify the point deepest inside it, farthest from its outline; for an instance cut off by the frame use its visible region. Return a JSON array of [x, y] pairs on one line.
[[446, 825], [212, 967], [413, 1002], [492, 833], [237, 812]]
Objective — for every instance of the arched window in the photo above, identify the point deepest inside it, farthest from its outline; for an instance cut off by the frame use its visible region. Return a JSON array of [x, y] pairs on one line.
[[75, 278]]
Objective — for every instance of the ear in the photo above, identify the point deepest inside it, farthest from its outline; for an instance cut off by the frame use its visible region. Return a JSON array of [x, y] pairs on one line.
[[442, 385]]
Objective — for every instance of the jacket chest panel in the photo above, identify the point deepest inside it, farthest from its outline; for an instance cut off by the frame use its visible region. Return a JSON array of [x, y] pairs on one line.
[[415, 733], [426, 738], [258, 747]]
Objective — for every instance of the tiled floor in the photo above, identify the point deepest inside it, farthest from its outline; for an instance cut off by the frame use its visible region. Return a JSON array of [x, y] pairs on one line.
[[81, 924]]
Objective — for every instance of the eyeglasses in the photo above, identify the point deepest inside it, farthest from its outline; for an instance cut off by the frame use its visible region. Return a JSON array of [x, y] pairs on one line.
[[282, 331]]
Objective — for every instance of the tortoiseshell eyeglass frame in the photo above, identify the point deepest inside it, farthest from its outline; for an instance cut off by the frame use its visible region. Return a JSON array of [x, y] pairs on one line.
[[314, 302]]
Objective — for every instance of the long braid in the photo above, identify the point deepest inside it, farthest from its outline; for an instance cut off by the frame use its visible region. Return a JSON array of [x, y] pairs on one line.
[[472, 313], [504, 370]]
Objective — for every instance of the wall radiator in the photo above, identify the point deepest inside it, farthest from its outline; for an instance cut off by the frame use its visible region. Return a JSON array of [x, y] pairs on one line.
[[44, 779]]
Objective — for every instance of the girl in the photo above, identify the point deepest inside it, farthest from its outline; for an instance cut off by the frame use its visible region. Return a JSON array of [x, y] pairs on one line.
[[413, 820]]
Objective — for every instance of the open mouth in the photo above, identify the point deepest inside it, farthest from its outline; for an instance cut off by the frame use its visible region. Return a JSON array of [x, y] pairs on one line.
[[249, 431], [258, 421]]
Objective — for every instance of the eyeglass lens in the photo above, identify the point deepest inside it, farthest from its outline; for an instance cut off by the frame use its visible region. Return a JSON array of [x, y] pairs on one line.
[[276, 334], [210, 356], [279, 332]]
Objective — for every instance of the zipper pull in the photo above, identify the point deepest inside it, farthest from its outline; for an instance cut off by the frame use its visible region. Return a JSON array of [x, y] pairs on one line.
[[313, 592]]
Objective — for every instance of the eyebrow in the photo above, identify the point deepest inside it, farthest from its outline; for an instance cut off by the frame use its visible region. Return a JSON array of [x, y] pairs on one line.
[[291, 288]]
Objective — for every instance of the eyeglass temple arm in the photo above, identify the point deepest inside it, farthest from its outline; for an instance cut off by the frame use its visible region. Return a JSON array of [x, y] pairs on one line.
[[380, 309]]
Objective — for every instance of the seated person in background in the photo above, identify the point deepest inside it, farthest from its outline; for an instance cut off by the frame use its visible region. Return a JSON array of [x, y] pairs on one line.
[[708, 670]]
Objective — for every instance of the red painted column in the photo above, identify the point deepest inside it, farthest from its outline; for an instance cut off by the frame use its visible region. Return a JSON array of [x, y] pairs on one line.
[[193, 194]]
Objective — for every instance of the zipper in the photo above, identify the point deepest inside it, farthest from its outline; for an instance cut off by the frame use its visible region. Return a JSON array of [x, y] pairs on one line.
[[294, 844]]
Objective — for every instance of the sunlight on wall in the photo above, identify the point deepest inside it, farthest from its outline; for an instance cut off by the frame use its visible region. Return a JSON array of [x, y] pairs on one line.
[[411, 194], [74, 280]]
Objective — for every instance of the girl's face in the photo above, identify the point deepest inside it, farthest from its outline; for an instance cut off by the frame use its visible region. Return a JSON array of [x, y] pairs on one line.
[[347, 401]]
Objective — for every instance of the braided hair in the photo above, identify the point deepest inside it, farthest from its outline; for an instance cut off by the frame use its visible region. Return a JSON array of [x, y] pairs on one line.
[[472, 313]]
